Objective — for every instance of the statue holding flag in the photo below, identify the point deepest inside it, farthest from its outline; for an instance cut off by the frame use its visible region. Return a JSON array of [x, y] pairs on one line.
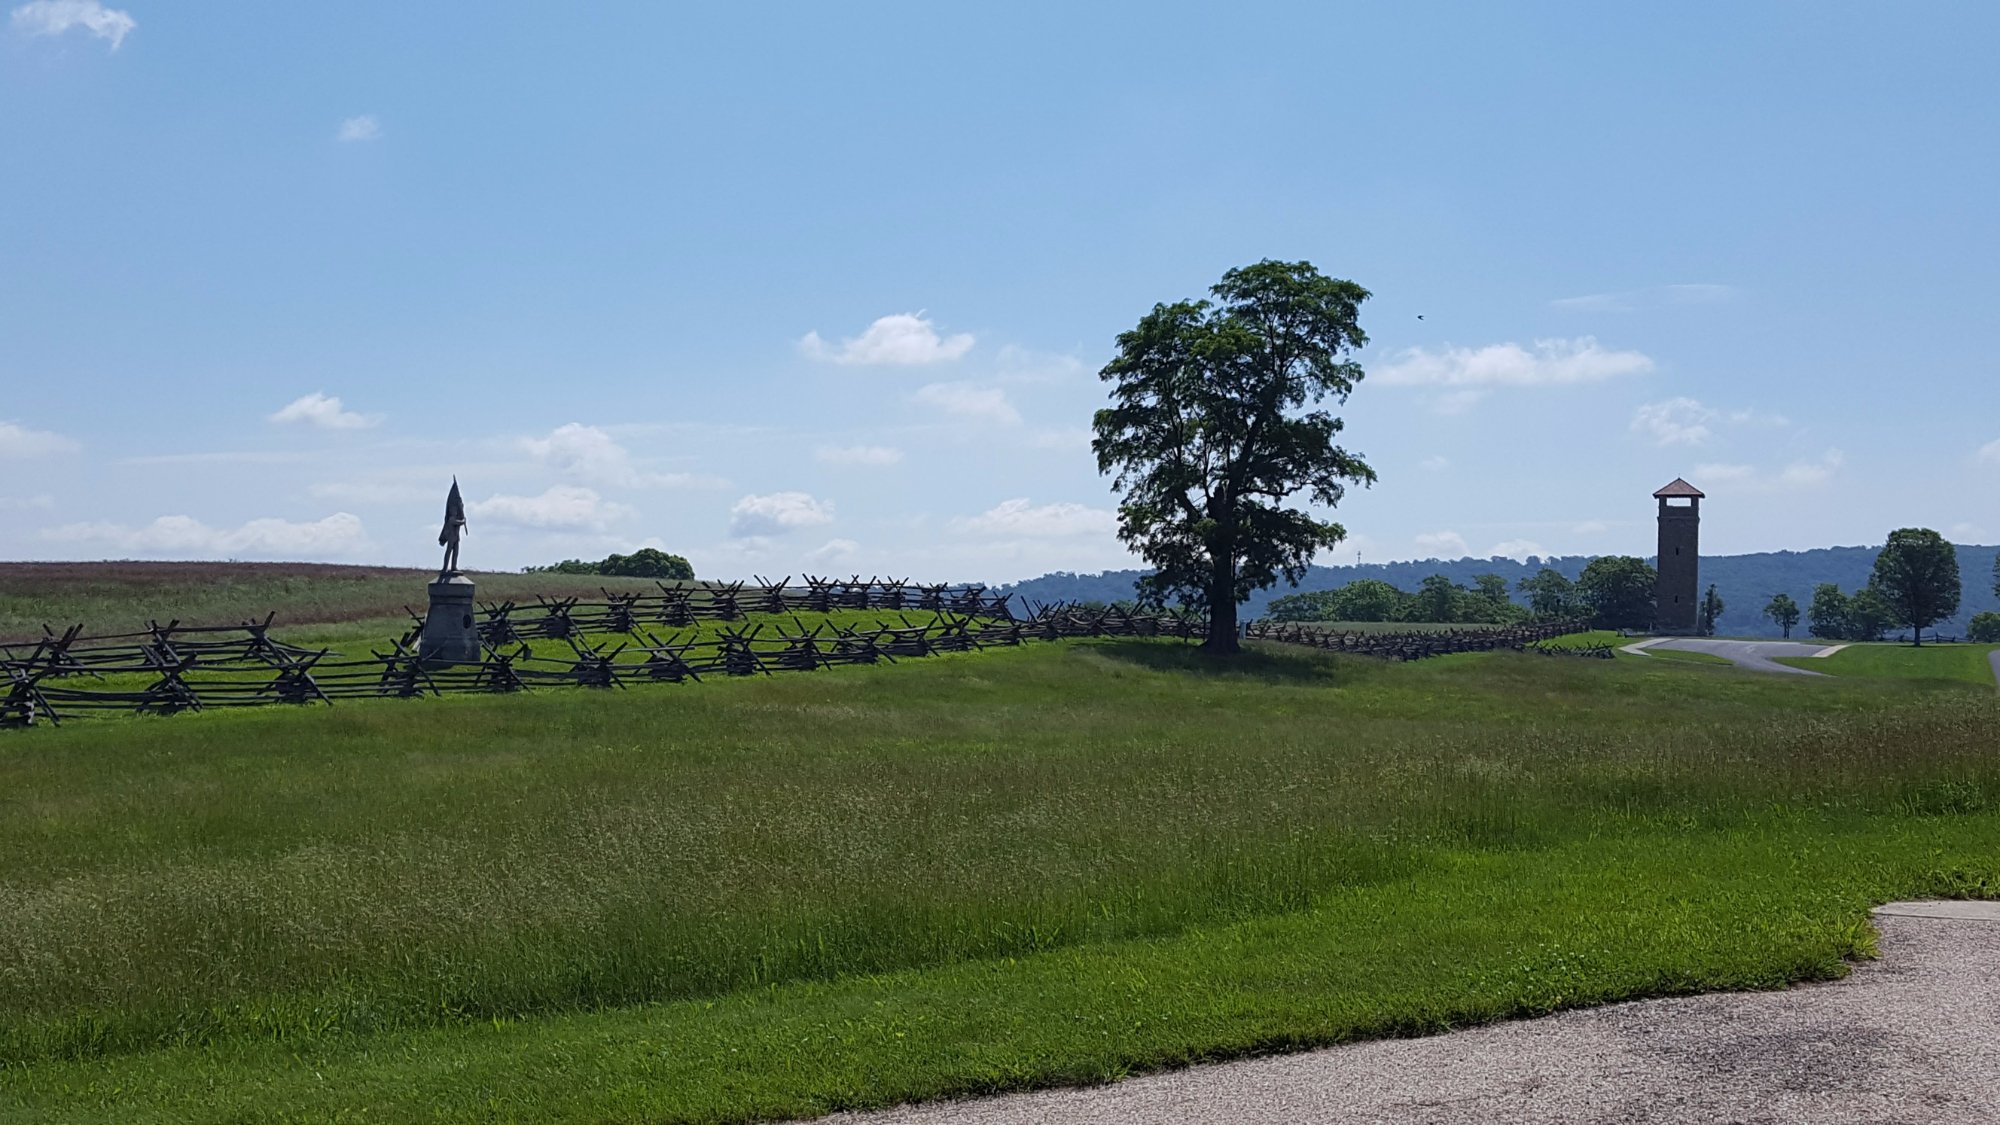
[[454, 526]]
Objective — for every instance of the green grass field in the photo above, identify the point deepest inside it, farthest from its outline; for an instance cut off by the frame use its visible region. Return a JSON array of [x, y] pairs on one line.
[[773, 897], [1965, 663]]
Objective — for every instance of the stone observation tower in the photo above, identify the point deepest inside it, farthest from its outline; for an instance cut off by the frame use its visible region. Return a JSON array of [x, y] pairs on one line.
[[1678, 594]]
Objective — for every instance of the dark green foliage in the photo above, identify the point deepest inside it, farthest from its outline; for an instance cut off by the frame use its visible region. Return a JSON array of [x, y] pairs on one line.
[[1837, 616], [646, 562], [1436, 600], [1209, 437], [1783, 612], [1550, 594], [1794, 573], [1711, 609], [1827, 616], [1367, 600], [1984, 629], [1916, 575], [1618, 591]]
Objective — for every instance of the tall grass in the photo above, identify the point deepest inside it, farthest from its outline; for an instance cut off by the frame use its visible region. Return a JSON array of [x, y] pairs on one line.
[[399, 865]]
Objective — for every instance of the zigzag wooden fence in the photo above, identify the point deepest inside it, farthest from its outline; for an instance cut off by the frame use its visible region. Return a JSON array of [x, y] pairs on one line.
[[625, 639]]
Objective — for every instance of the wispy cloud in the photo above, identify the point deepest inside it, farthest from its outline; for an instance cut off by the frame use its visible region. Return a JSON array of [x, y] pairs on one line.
[[1442, 544], [323, 411], [1630, 299], [1018, 518], [858, 455], [1435, 464], [1677, 421], [18, 441], [561, 508], [362, 128], [1795, 476], [968, 400], [591, 455], [833, 551], [775, 513], [897, 340], [1516, 549], [338, 535], [1547, 363], [53, 17], [1988, 454]]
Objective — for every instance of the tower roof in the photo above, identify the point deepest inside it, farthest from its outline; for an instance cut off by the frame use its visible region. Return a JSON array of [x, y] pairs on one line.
[[1678, 489]]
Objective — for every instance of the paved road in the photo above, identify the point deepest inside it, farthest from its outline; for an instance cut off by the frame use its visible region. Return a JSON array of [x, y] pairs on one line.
[[1994, 658], [1754, 655], [1913, 1037]]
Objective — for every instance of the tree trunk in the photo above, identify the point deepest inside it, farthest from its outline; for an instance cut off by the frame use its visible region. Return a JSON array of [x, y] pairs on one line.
[[1222, 605]]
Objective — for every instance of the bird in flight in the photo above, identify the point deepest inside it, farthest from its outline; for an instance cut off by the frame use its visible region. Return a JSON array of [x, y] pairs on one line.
[[1420, 316]]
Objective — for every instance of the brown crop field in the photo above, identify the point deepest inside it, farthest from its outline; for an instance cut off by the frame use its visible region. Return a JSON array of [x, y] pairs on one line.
[[119, 596]]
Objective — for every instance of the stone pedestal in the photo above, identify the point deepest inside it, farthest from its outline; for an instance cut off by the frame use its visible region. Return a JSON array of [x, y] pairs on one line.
[[451, 631]]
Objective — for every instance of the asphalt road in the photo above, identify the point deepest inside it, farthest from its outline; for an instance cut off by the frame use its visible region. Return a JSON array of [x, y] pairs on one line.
[[1912, 1037], [1994, 658], [1754, 655]]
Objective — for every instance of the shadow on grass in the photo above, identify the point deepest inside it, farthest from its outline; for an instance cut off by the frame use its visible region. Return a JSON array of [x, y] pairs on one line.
[[1267, 663]]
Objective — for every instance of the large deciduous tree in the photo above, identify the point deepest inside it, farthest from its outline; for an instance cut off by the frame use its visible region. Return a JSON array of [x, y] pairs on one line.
[[1550, 595], [1711, 609], [1917, 575], [1783, 611], [1619, 592], [1210, 435]]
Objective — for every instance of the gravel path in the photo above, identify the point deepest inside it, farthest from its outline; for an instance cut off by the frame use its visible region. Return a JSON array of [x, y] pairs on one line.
[[1913, 1037], [1754, 655]]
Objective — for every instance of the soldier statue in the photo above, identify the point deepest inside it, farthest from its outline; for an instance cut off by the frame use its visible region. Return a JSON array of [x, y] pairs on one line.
[[454, 527]]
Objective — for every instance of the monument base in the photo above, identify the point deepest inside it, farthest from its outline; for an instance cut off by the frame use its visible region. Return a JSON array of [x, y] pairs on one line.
[[451, 631]]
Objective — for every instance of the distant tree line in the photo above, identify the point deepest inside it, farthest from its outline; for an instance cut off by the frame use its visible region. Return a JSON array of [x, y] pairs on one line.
[[1914, 584], [646, 562]]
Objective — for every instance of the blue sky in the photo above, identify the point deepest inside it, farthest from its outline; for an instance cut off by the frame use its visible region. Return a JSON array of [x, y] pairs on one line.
[[825, 288]]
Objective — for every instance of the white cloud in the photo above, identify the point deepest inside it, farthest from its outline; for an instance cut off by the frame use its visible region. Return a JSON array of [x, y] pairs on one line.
[[1811, 474], [340, 534], [858, 455], [1590, 527], [1435, 464], [53, 17], [41, 502], [1017, 518], [777, 513], [1442, 544], [1677, 421], [19, 441], [1965, 533], [834, 551], [1626, 301], [325, 412], [377, 491], [1016, 364], [362, 128], [1516, 549], [561, 508], [900, 339], [589, 454], [969, 401], [1750, 478], [1549, 363], [1072, 439], [1988, 453]]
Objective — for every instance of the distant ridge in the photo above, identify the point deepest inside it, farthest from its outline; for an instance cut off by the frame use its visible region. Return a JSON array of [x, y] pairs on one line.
[[1745, 582]]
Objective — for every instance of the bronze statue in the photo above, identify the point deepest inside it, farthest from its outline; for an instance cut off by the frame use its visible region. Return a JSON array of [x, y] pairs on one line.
[[454, 526]]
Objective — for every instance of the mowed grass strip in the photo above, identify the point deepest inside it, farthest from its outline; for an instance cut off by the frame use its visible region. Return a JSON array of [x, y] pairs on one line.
[[322, 879], [1962, 662], [1473, 937]]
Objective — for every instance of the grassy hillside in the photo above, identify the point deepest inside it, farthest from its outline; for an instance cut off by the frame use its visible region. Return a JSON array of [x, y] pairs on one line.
[[121, 596], [1065, 862]]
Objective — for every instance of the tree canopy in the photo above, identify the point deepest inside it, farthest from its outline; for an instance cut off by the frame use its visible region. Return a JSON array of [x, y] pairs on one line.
[[1208, 436], [646, 562], [1916, 575], [1711, 610], [1619, 592], [1784, 612], [1550, 595]]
